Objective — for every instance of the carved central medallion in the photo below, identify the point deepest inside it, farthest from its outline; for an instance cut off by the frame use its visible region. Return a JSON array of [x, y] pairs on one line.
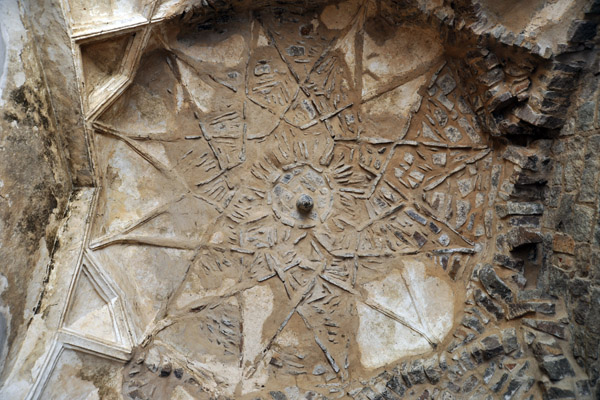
[[305, 203], [302, 196]]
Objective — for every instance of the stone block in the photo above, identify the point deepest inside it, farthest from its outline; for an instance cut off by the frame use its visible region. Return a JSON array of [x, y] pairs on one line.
[[491, 347], [519, 279], [582, 30], [580, 311], [579, 287], [561, 82], [556, 393], [555, 280], [563, 243], [591, 171], [509, 340], [489, 372], [277, 395], [581, 221], [529, 115], [396, 386], [514, 264], [518, 237], [470, 383], [500, 96], [517, 310], [465, 361], [491, 77], [532, 221], [446, 84], [488, 304], [585, 116], [513, 386], [556, 367], [593, 318], [524, 157], [477, 353], [416, 373], [152, 360], [493, 285], [496, 387], [519, 208], [470, 321], [178, 372], [166, 368], [550, 327], [432, 370], [583, 388]]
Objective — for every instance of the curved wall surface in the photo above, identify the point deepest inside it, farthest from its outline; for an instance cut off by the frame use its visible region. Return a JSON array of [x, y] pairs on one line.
[[299, 200]]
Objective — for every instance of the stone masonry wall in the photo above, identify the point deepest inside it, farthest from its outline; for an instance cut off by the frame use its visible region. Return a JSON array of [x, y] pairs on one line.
[[572, 223]]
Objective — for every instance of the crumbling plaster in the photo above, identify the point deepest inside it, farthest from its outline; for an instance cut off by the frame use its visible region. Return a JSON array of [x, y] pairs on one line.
[[35, 180], [439, 136]]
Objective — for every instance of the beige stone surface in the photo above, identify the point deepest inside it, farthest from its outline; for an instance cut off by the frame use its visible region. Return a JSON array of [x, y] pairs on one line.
[[286, 200], [201, 173]]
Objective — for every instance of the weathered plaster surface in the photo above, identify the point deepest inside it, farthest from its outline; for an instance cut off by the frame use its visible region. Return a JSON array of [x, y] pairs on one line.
[[50, 32], [34, 180], [366, 199]]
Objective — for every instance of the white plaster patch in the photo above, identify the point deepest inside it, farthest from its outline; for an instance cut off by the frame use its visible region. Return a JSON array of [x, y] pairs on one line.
[[417, 47], [400, 101], [174, 7], [201, 92], [383, 341], [89, 314], [287, 338], [13, 36], [263, 40], [427, 304], [19, 78], [157, 150], [347, 46], [386, 115], [257, 307]]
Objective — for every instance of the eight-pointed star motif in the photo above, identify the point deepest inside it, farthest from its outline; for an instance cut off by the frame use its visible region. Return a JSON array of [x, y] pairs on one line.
[[223, 174]]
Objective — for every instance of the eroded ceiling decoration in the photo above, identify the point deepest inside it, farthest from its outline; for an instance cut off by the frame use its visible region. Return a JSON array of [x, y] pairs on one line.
[[287, 197]]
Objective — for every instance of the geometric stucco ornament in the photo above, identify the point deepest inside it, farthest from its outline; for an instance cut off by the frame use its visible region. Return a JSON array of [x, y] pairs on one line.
[[314, 200], [285, 199]]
